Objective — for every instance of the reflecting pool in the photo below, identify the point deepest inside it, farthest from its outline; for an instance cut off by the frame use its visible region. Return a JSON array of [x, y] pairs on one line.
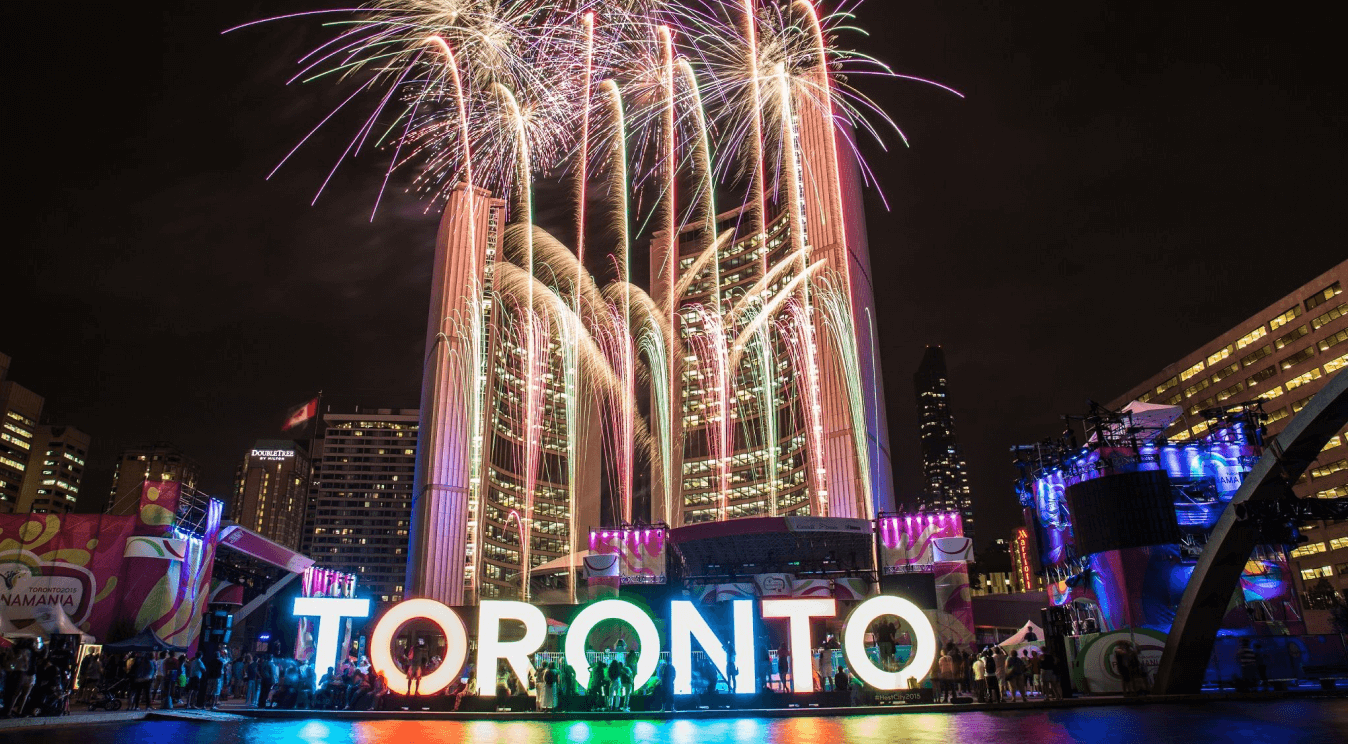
[[1279, 722]]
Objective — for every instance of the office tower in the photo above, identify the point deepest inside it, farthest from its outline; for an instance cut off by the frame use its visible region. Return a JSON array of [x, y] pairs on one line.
[[20, 409], [271, 490], [945, 476], [56, 470], [363, 505], [154, 462], [1278, 358]]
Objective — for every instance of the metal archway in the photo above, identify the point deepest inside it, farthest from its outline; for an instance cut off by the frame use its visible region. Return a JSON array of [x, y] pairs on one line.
[[1189, 645]]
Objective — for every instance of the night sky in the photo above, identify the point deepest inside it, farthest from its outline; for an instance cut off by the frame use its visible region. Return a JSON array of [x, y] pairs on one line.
[[1123, 182]]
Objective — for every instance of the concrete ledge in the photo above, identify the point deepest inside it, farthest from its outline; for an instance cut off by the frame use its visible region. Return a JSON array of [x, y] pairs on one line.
[[74, 719], [867, 710]]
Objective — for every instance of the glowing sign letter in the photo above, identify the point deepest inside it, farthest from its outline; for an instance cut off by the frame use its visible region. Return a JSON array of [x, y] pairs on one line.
[[799, 612], [490, 647], [613, 609], [456, 644], [329, 610], [686, 623], [854, 642]]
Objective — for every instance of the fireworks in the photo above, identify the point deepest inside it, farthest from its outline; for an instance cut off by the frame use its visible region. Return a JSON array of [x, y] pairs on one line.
[[700, 130]]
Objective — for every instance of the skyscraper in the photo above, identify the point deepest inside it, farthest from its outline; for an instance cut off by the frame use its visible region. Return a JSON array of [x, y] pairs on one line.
[[754, 342], [945, 477], [20, 409], [271, 490], [56, 470], [363, 505], [158, 461]]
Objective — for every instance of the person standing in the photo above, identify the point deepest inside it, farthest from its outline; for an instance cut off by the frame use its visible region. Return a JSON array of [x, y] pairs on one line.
[[979, 669], [945, 677], [157, 660], [999, 655], [91, 673], [1048, 676], [1036, 669], [667, 672]]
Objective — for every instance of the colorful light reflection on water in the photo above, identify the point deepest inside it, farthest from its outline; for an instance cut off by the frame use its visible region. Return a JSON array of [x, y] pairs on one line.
[[1309, 721]]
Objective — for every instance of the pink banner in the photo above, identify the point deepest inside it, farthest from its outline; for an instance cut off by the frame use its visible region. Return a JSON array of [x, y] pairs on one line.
[[641, 553], [909, 542]]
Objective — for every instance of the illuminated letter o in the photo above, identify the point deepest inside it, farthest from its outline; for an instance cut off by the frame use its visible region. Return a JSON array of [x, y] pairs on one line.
[[854, 641], [613, 609], [456, 644]]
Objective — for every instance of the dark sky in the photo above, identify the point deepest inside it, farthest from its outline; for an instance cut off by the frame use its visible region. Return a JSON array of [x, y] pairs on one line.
[[1123, 182]]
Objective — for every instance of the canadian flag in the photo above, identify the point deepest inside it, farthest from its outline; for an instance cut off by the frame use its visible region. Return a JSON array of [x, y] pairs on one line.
[[301, 413]]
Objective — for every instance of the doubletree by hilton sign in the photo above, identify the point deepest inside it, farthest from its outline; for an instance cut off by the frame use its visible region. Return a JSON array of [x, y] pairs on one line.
[[685, 622]]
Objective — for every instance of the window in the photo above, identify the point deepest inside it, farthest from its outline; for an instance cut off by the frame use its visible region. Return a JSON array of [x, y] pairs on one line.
[[1227, 393], [1224, 372], [1300, 404], [1330, 341], [1300, 380], [1324, 295], [1322, 572], [1324, 471], [1336, 492], [1172, 382], [1256, 355], [1173, 400], [1260, 376], [1333, 442], [1220, 354], [1190, 372], [1251, 337], [1298, 358], [1291, 337], [1197, 387], [1329, 317], [1338, 542], [1277, 415], [1337, 364], [1285, 318], [1310, 549]]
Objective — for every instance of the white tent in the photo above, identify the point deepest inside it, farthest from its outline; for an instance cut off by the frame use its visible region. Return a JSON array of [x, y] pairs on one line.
[[1031, 633], [9, 630], [54, 620], [1150, 420]]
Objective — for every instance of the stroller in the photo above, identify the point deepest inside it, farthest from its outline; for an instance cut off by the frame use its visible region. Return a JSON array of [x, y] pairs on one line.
[[109, 695]]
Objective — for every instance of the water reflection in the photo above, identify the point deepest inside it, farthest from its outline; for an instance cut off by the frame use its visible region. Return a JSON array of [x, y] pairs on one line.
[[1310, 721]]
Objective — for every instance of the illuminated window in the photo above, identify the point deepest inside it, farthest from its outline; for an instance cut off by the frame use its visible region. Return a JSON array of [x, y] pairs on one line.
[[1228, 392], [1256, 355], [1300, 404], [1338, 543], [1324, 471], [1297, 358], [1190, 372], [1225, 372], [1197, 387], [1291, 337], [1330, 317], [1300, 380], [1322, 572], [1172, 382], [1285, 318], [1336, 492], [1331, 341], [1261, 375], [1310, 549], [1251, 337], [1337, 364], [1277, 415], [1220, 354], [1333, 442], [1324, 295]]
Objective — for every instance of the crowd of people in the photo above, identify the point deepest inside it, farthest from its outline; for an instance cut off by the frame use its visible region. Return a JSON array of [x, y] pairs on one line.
[[994, 675], [35, 678]]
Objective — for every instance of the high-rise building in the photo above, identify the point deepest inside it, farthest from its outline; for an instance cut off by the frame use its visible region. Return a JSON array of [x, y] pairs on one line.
[[20, 410], [945, 476], [362, 509], [1279, 358], [154, 462], [55, 470], [271, 489], [757, 336]]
